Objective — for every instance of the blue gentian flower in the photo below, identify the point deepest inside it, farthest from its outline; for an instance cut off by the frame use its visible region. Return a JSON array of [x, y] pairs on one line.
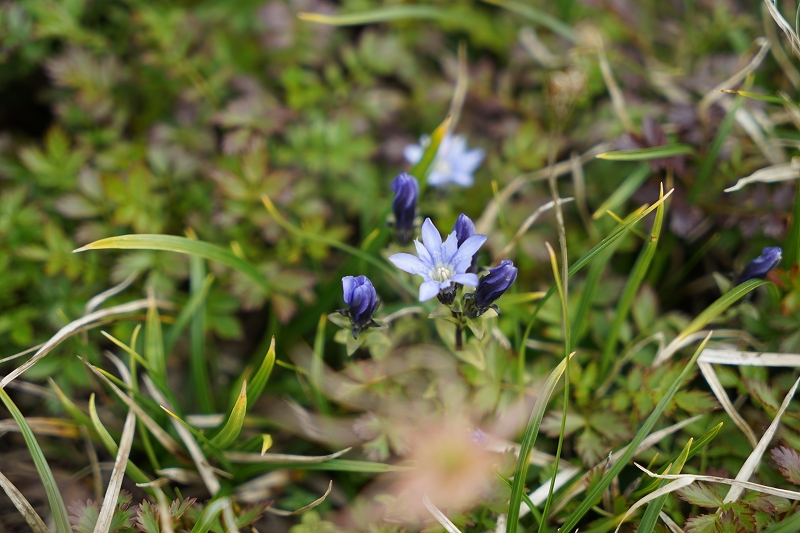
[[465, 229], [362, 301], [454, 163], [490, 288], [761, 265], [404, 205], [441, 264]]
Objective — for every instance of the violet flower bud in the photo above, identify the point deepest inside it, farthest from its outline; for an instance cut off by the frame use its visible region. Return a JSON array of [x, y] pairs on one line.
[[490, 288], [465, 229], [761, 265], [362, 301], [404, 205]]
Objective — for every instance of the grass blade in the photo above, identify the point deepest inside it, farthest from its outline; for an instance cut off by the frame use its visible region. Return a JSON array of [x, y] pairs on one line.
[[234, 421], [646, 154], [106, 514], [57, 507], [632, 285], [259, 381], [653, 510], [597, 492], [24, 507], [537, 16], [181, 245], [199, 285], [626, 189], [709, 314], [528, 440], [384, 14], [154, 343], [209, 515]]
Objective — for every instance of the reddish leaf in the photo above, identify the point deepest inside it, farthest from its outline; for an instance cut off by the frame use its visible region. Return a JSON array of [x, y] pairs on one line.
[[788, 462]]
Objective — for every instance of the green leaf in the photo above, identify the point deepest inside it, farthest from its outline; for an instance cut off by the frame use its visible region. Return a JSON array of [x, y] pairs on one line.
[[645, 154], [528, 440], [760, 97], [700, 494], [596, 493], [650, 516], [57, 507], [181, 245], [701, 524], [234, 421], [259, 381]]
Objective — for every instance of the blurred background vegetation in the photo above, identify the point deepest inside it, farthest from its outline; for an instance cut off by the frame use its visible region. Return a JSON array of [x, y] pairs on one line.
[[127, 116]]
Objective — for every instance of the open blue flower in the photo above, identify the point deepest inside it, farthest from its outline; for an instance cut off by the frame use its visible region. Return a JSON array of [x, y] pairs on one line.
[[440, 263], [453, 163]]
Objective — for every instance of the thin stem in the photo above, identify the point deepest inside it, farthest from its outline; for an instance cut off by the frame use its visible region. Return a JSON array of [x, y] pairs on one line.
[[459, 332]]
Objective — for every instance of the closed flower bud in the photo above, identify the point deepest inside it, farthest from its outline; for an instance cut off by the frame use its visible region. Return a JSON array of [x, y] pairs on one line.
[[490, 288], [465, 229], [362, 301], [761, 265], [404, 205]]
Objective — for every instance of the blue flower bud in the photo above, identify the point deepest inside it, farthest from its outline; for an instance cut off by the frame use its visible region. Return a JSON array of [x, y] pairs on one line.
[[362, 301], [465, 229], [490, 288], [406, 190], [761, 265]]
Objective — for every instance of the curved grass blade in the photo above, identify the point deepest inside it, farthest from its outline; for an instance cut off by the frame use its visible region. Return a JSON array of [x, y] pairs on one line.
[[233, 422], [181, 245], [646, 154], [279, 458], [528, 440], [709, 313], [596, 493], [384, 14], [421, 169], [537, 16], [209, 515], [303, 509], [634, 281], [57, 507]]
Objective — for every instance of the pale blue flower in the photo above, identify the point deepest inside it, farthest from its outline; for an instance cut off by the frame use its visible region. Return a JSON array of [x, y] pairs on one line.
[[453, 162], [440, 263]]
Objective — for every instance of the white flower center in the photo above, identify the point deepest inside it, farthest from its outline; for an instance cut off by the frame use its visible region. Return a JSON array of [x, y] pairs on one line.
[[444, 166], [441, 272]]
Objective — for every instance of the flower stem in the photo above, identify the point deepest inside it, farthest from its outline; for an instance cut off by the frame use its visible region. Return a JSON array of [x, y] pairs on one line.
[[459, 332]]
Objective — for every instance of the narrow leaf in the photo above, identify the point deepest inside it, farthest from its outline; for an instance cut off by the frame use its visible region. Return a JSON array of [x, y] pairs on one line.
[[234, 422], [645, 154]]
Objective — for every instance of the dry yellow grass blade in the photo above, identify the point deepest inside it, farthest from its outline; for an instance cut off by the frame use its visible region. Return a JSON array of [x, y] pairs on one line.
[[106, 515], [245, 457], [24, 507], [209, 479], [679, 483], [770, 174], [262, 487]]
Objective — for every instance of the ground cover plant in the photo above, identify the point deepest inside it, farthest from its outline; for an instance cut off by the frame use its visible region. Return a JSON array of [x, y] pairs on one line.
[[378, 266]]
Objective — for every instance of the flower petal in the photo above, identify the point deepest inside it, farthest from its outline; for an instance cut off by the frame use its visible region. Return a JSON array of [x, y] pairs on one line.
[[348, 284], [462, 179], [437, 178], [471, 160], [408, 263], [413, 153], [423, 254], [428, 290], [470, 246], [431, 238], [450, 247], [466, 279]]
